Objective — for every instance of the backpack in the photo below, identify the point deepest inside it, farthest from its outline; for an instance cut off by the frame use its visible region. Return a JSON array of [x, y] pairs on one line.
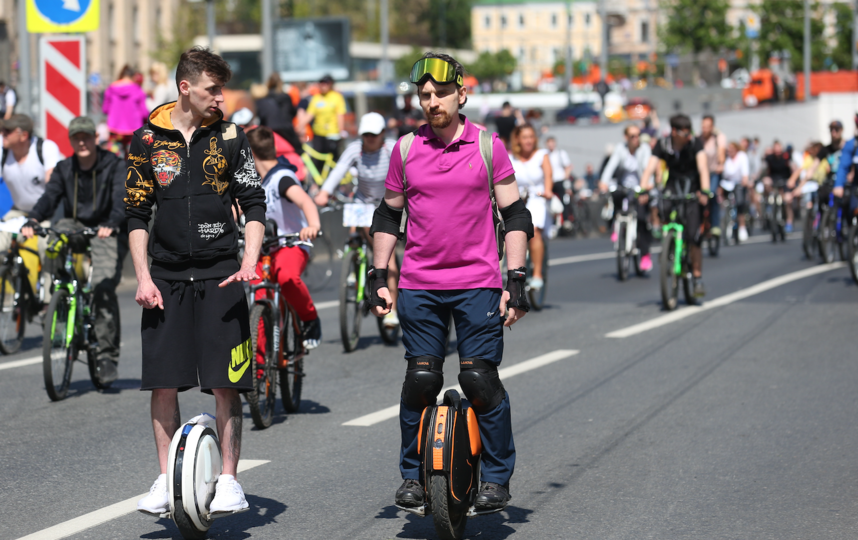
[[486, 153], [40, 142]]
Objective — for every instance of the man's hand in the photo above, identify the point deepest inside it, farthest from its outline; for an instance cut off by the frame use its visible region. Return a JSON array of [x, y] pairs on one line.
[[148, 296], [384, 294], [104, 232], [702, 198], [514, 314], [321, 198], [643, 197], [27, 232], [309, 233], [838, 192], [245, 274]]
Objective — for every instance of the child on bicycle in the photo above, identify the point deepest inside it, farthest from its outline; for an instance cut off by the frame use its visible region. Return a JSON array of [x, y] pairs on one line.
[[289, 206]]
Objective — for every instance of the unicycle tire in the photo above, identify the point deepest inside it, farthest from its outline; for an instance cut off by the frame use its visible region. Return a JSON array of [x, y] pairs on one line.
[[669, 280], [351, 311], [292, 376], [449, 520], [186, 527], [58, 353], [262, 399]]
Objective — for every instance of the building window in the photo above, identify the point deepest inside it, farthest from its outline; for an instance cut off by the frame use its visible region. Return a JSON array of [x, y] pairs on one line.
[[571, 20], [555, 55], [503, 21], [553, 20], [587, 20], [644, 32], [135, 25], [111, 32], [521, 20], [534, 53], [487, 22], [521, 54]]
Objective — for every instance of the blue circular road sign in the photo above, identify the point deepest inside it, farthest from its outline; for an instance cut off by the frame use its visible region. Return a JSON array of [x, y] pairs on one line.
[[62, 11]]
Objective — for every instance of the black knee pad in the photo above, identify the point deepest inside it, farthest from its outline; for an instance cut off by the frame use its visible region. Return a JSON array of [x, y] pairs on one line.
[[481, 383], [423, 381]]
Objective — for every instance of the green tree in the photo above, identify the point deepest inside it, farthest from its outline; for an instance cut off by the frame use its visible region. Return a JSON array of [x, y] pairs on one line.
[[782, 29], [841, 52], [695, 26], [449, 23], [493, 66], [402, 67]]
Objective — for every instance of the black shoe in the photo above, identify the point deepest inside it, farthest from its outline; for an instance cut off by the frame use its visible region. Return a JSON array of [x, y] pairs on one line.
[[410, 494], [492, 497], [312, 334], [699, 290], [107, 372]]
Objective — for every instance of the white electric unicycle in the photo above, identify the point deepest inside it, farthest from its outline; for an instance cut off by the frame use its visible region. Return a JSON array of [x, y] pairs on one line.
[[193, 467]]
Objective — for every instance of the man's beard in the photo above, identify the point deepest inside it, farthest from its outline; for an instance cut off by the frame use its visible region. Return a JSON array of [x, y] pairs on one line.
[[441, 122]]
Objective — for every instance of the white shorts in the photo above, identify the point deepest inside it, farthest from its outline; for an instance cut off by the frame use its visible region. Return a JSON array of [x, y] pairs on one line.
[[538, 207]]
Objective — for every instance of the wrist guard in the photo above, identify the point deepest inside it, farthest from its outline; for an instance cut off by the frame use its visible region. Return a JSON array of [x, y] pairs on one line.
[[376, 278], [515, 286]]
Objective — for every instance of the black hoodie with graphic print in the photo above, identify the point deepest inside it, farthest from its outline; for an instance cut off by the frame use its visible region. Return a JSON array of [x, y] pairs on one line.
[[194, 186]]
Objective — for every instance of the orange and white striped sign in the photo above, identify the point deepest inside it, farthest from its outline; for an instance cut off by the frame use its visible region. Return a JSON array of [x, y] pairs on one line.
[[62, 81]]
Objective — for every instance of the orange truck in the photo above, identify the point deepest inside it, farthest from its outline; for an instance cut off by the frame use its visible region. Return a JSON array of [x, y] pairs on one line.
[[763, 85]]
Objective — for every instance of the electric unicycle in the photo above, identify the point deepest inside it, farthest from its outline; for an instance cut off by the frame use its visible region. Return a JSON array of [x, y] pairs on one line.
[[193, 467], [450, 446]]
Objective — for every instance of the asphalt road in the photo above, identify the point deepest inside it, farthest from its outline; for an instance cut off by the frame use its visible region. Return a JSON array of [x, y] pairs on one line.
[[733, 422]]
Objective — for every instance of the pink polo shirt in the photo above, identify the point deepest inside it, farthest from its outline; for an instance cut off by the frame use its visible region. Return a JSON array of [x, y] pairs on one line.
[[451, 243]]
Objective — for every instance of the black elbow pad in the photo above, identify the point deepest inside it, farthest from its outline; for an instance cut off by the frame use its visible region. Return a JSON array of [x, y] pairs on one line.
[[387, 220], [516, 217]]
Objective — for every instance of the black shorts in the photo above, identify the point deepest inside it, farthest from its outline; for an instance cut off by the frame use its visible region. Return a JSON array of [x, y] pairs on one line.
[[200, 338]]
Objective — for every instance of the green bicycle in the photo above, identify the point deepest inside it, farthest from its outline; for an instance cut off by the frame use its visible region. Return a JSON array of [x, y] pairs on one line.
[[354, 297], [675, 261], [313, 173], [70, 318]]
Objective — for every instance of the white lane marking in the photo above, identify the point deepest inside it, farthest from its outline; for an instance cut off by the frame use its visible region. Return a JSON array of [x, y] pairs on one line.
[[682, 313], [329, 304], [108, 513], [505, 373], [21, 363]]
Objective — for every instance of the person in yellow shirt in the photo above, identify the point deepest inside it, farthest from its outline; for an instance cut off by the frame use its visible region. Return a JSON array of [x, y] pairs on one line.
[[326, 111]]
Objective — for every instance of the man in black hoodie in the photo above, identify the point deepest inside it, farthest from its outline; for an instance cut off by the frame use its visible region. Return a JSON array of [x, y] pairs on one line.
[[195, 328], [91, 185]]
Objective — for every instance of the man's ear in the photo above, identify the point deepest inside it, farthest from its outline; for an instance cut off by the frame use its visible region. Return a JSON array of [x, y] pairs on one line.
[[463, 96], [185, 88]]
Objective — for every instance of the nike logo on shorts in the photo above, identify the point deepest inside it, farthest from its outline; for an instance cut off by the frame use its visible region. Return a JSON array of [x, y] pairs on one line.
[[240, 361]]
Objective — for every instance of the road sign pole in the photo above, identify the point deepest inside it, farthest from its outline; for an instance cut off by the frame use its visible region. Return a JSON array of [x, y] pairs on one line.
[[24, 91], [267, 39], [806, 50]]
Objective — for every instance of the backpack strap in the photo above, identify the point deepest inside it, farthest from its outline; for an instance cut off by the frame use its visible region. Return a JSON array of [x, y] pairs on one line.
[[404, 146], [486, 147], [40, 142]]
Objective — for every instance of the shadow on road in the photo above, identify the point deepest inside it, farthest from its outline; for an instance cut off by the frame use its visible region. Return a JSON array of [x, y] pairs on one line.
[[262, 512], [494, 526], [85, 386]]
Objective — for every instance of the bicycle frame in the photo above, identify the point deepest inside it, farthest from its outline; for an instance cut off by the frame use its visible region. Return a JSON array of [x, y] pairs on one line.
[[362, 265], [274, 299], [679, 244]]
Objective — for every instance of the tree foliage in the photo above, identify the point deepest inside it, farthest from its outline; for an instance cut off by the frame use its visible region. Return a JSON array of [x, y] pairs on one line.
[[841, 52], [696, 25], [492, 66], [402, 67], [782, 29]]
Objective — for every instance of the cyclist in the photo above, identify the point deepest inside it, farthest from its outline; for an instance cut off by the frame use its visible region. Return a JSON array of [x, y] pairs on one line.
[[195, 326], [715, 146], [779, 167], [289, 206], [735, 178], [847, 161], [326, 110], [686, 162], [450, 269], [625, 167], [533, 174], [370, 156], [91, 186]]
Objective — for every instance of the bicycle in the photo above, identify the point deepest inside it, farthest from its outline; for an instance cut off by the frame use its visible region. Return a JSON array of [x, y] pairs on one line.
[[354, 297], [776, 212], [70, 319], [308, 155], [320, 267], [852, 248], [284, 352], [674, 260], [626, 228], [831, 225], [19, 303], [810, 225]]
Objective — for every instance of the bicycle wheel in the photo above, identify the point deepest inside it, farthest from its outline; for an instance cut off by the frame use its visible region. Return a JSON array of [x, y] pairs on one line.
[[852, 249], [843, 240], [263, 397], [807, 237], [351, 312], [688, 286], [449, 519], [669, 279], [320, 267], [537, 296], [13, 320], [291, 376], [622, 256], [58, 351], [827, 236], [714, 243]]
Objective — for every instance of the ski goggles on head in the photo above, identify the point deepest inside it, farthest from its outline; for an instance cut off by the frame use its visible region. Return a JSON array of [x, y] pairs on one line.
[[440, 71]]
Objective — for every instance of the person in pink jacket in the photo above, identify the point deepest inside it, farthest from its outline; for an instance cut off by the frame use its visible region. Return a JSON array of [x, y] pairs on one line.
[[125, 107]]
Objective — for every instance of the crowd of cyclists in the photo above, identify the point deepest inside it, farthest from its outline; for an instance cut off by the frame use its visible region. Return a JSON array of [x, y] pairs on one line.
[[271, 172]]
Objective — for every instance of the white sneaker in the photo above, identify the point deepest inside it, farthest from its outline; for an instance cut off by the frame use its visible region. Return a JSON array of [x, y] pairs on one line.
[[391, 320], [158, 500], [229, 497], [536, 283], [743, 234]]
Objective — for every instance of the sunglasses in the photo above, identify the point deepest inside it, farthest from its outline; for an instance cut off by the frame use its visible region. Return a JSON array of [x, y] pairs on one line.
[[7, 131], [440, 71], [635, 136]]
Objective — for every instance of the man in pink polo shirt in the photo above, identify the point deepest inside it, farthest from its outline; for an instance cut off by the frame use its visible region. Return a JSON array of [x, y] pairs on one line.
[[450, 269]]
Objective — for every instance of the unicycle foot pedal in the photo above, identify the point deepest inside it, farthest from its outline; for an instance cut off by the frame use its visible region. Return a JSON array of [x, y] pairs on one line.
[[156, 514], [473, 512], [217, 515], [416, 510]]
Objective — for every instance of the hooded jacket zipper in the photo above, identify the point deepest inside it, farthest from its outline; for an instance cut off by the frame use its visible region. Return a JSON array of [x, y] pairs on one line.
[[190, 225]]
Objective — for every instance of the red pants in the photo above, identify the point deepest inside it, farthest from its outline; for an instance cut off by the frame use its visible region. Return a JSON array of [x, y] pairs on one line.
[[287, 264]]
